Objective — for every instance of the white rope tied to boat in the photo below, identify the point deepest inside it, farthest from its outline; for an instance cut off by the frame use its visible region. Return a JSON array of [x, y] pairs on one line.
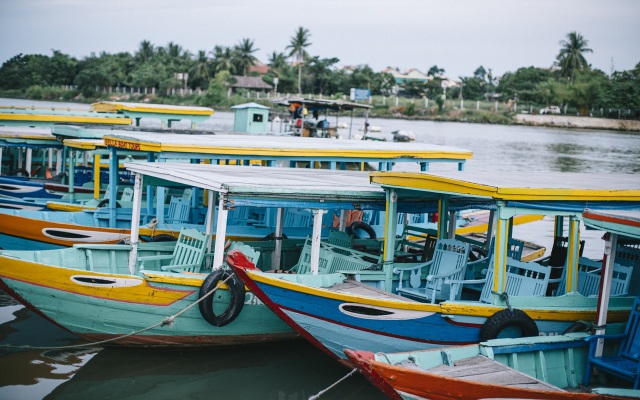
[[167, 321], [320, 393]]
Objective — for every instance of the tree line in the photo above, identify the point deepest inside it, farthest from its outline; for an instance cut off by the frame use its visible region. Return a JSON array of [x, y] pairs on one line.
[[569, 82]]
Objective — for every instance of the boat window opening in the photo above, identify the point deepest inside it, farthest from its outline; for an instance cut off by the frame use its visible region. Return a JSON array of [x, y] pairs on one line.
[[365, 310]]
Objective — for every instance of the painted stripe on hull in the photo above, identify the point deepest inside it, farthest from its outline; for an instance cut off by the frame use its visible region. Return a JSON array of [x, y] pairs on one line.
[[100, 317], [336, 337]]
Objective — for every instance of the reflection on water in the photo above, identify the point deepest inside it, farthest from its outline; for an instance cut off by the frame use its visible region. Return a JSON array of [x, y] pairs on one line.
[[294, 370]]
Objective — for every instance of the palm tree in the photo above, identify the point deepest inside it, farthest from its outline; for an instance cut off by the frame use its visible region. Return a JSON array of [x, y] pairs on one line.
[[200, 72], [146, 51], [244, 55], [299, 42], [277, 61], [570, 59], [222, 59]]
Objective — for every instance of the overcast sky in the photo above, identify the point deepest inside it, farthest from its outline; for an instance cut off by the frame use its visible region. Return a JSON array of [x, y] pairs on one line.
[[457, 35]]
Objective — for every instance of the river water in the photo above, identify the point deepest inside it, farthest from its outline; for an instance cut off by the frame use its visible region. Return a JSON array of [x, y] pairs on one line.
[[293, 370]]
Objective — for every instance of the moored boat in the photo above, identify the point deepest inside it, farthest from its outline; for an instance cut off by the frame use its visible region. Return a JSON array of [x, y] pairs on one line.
[[557, 367], [409, 304]]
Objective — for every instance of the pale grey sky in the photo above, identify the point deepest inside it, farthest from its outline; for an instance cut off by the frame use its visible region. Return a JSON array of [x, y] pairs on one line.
[[457, 35]]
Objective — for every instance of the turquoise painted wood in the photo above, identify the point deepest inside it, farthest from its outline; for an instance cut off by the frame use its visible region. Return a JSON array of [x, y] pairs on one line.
[[250, 118], [187, 256], [449, 262]]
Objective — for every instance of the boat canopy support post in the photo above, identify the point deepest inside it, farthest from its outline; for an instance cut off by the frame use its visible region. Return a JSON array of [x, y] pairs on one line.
[[221, 233], [500, 252], [315, 240], [390, 228], [558, 226], [59, 161], [351, 124], [609, 259], [490, 228], [96, 176], [27, 165], [451, 230], [211, 210], [113, 186], [276, 257], [135, 222], [573, 254], [443, 212], [72, 176]]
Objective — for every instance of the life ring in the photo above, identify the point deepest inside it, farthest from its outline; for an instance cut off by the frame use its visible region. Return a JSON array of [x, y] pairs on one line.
[[104, 202], [236, 289], [507, 318], [359, 225]]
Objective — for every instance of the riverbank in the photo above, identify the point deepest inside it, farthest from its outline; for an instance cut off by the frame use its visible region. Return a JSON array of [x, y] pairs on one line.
[[565, 121]]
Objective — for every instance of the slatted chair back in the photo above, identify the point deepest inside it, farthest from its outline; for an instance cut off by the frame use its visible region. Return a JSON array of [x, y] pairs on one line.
[[189, 251], [249, 252], [415, 244], [585, 266], [558, 256], [629, 255], [522, 279], [626, 363], [449, 262], [340, 238], [127, 194], [179, 209]]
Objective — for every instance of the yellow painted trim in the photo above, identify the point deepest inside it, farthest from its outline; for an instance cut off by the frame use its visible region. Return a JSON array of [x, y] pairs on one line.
[[446, 308], [482, 228], [65, 118], [441, 184], [59, 278], [151, 109], [134, 144], [84, 144]]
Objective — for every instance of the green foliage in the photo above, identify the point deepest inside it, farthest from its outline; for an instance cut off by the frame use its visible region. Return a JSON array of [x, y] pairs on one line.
[[217, 92]]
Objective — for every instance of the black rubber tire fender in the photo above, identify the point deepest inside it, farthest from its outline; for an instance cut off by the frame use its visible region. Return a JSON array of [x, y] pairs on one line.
[[22, 171], [236, 288], [105, 202], [505, 319], [477, 253], [578, 326], [359, 225]]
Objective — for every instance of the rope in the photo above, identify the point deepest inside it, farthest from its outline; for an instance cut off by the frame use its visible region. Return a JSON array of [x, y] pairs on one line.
[[330, 387], [504, 297], [167, 321]]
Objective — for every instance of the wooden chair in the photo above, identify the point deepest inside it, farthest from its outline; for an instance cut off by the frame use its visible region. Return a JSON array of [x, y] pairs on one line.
[[341, 239], [589, 272], [523, 279], [626, 363], [334, 258], [249, 252], [629, 255], [415, 245], [178, 212], [188, 254], [449, 262]]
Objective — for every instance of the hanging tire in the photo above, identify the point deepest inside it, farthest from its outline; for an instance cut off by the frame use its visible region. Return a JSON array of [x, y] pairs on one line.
[[578, 326], [360, 226], [477, 253], [236, 289], [105, 202], [22, 172], [505, 319]]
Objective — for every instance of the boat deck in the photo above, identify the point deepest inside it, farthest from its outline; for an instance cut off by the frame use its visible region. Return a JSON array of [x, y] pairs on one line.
[[351, 286], [484, 370]]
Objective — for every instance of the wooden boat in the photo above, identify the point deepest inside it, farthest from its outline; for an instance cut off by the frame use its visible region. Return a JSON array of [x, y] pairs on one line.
[[555, 367], [407, 304], [107, 291], [21, 229]]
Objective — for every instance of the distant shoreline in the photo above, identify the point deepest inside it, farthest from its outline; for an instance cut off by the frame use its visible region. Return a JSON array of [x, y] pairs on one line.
[[565, 121]]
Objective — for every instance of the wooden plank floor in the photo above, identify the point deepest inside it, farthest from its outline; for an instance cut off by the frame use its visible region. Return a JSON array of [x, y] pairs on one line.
[[484, 370]]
